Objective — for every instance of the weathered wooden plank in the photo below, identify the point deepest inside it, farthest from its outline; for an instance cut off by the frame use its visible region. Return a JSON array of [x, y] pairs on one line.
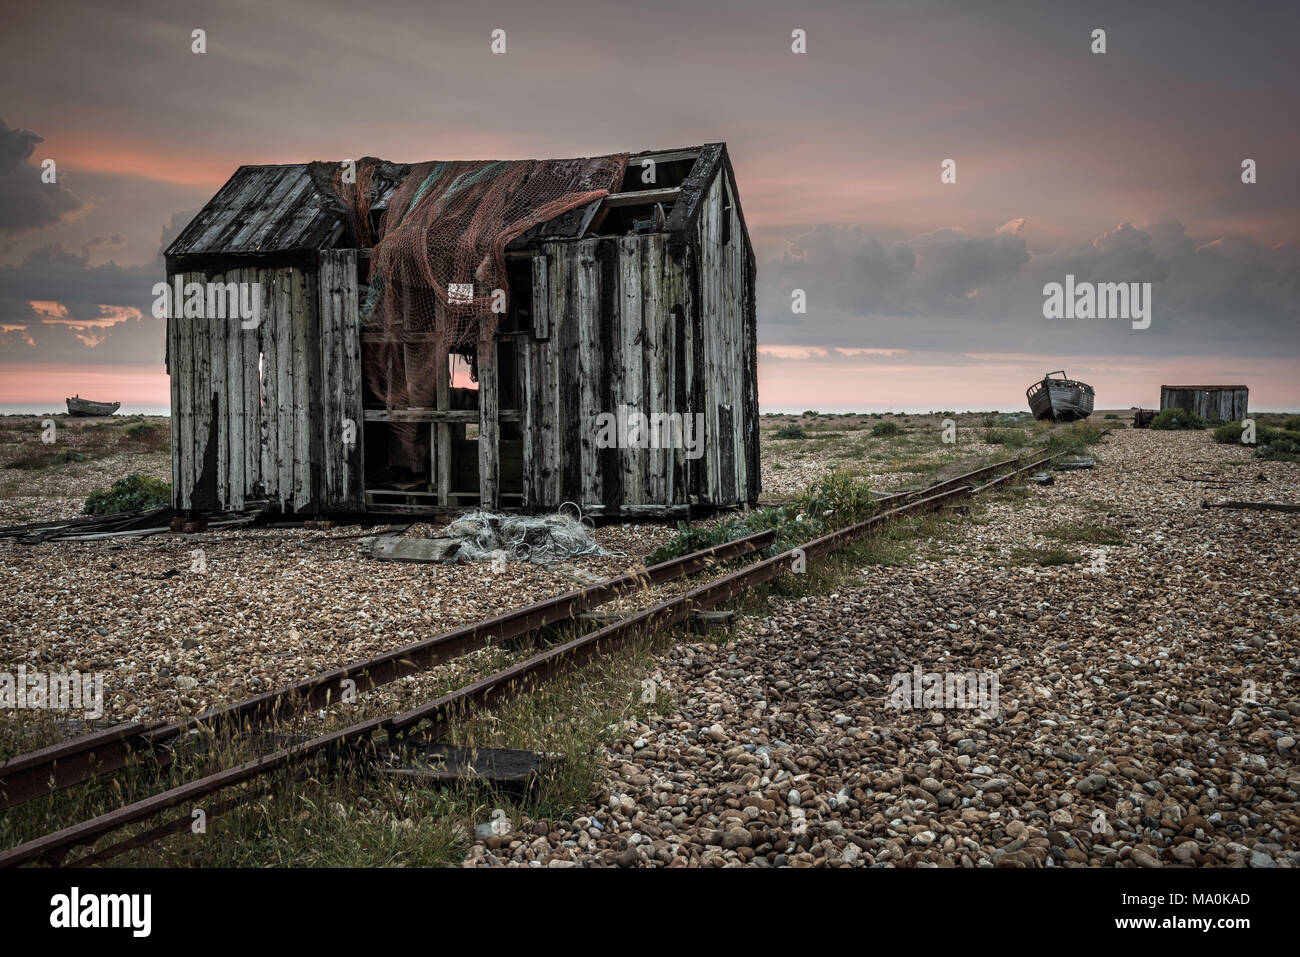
[[234, 399], [219, 423], [253, 391], [350, 373], [570, 381], [174, 401], [541, 301], [643, 197], [550, 357], [527, 416], [489, 430], [608, 256], [327, 284], [203, 484], [300, 319], [270, 416], [696, 467], [651, 376], [441, 437], [183, 410], [629, 349], [285, 390], [589, 371]]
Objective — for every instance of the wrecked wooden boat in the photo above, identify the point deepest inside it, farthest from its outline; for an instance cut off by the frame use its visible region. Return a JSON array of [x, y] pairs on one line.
[[79, 406], [1060, 399]]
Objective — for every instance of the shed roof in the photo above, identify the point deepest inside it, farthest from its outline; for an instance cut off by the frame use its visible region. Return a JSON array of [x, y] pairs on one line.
[[261, 209], [279, 211], [1205, 388]]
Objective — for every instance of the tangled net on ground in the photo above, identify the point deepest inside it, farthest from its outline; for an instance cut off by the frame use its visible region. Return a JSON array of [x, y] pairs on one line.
[[542, 539]]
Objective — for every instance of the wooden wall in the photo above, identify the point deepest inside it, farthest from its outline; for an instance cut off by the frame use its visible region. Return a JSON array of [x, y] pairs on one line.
[[1219, 403], [656, 326], [341, 391], [728, 348], [605, 316], [254, 411]]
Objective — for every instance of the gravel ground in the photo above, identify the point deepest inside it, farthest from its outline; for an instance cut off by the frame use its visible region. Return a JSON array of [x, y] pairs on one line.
[[845, 442], [271, 606], [1124, 735]]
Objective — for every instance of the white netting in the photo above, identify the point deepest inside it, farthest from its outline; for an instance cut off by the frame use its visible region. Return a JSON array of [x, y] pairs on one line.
[[543, 539]]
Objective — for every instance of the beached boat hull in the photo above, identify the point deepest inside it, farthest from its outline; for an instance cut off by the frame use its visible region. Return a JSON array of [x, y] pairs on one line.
[[1060, 400], [80, 406]]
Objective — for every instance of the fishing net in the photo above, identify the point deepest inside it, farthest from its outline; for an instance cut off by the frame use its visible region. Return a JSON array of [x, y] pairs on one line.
[[543, 539], [438, 265]]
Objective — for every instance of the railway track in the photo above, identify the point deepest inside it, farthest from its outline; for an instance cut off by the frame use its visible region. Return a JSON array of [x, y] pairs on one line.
[[80, 759]]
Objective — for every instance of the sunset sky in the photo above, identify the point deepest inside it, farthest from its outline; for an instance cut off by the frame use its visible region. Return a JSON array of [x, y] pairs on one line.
[[1117, 167]]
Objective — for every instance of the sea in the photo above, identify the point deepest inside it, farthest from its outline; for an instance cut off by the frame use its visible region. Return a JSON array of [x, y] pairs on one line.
[[57, 407]]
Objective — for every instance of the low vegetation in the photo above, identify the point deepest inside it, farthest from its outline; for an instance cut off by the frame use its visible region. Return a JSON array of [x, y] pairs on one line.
[[128, 494], [1272, 445], [1011, 438], [886, 429], [1082, 534], [831, 502], [1044, 556], [792, 431], [1170, 419]]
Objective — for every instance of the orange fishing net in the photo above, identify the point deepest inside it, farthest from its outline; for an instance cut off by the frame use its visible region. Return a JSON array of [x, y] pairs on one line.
[[438, 270]]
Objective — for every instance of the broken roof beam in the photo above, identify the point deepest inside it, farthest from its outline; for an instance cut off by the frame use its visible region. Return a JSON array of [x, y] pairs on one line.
[[643, 197], [664, 156]]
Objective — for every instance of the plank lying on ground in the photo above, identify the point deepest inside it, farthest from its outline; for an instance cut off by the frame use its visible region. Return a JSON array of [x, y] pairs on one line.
[[450, 764], [1253, 506]]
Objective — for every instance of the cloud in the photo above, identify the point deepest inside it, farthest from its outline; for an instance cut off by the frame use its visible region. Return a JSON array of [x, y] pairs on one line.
[[26, 203], [953, 291], [56, 308]]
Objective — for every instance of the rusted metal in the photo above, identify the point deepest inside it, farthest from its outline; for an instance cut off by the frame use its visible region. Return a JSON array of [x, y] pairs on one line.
[[50, 769], [435, 716]]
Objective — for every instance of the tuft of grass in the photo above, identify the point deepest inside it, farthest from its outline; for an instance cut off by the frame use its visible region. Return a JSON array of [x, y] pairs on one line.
[[1011, 438], [1077, 533], [147, 435], [792, 431], [1073, 438], [831, 502], [886, 429], [1044, 556], [44, 458]]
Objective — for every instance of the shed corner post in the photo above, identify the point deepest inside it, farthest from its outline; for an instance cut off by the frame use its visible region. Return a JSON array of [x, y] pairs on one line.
[[488, 428]]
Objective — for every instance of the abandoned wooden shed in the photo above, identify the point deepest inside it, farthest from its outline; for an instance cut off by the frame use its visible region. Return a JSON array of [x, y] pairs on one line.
[[1220, 403], [515, 334]]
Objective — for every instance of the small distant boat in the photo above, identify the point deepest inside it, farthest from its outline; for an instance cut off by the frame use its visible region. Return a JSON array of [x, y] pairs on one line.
[[1060, 399], [79, 406]]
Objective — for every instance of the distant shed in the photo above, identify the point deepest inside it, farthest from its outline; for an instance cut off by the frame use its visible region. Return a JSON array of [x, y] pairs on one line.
[[1224, 403]]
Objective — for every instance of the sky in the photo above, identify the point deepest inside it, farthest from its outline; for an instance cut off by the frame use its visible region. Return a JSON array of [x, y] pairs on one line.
[[1122, 166]]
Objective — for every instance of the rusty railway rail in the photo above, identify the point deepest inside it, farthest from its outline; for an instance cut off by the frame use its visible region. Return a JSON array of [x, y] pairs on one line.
[[42, 772], [434, 717]]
